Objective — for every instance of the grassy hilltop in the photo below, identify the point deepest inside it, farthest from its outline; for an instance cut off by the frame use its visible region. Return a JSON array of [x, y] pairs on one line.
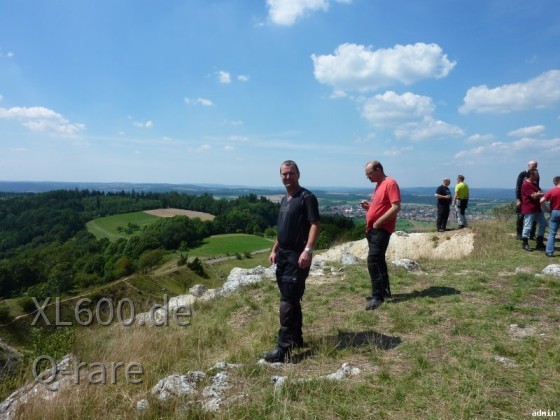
[[444, 347]]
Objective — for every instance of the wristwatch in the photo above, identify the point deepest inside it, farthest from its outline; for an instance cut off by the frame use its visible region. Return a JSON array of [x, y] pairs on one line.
[[309, 250]]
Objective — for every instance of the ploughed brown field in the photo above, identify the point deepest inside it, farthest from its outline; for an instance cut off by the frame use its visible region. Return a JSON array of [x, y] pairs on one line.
[[180, 212]]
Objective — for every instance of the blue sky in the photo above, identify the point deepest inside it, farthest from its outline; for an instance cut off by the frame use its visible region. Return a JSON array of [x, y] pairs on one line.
[[222, 91]]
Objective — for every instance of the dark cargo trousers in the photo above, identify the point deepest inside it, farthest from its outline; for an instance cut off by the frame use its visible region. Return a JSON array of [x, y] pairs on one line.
[[378, 241], [291, 282]]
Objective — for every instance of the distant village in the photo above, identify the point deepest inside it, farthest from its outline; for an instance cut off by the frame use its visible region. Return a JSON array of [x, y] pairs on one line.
[[412, 211]]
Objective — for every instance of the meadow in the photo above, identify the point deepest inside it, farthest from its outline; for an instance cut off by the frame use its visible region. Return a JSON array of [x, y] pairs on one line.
[[472, 338], [113, 227]]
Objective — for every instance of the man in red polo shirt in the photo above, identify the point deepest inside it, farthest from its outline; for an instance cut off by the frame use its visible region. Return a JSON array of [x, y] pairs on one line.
[[553, 197], [381, 220]]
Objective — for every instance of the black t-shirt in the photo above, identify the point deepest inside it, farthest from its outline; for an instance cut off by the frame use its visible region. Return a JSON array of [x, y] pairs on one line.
[[294, 219], [443, 190]]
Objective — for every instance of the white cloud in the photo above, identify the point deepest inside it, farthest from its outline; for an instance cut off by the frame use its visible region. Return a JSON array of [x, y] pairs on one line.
[[410, 114], [224, 77], [505, 152], [356, 67], [229, 148], [426, 129], [198, 101], [200, 149], [389, 108], [286, 12], [9, 54], [397, 151], [238, 138], [140, 124], [541, 92], [41, 119], [481, 138], [535, 130], [243, 78]]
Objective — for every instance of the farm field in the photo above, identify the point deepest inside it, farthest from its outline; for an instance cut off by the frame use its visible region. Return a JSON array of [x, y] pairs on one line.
[[231, 244], [108, 227]]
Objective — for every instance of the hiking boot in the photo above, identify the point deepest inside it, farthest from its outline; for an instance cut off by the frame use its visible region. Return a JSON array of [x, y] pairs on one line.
[[277, 355], [373, 303], [540, 244], [526, 246]]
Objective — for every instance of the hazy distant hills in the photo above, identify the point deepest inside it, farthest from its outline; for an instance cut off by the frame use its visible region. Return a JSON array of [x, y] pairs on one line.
[[416, 194]]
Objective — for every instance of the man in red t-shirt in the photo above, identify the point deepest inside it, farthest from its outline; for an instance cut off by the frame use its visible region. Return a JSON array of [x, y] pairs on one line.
[[381, 219], [553, 197]]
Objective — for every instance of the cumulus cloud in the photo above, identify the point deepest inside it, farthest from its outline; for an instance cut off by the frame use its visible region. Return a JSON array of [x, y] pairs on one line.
[[394, 151], [356, 67], [502, 151], [410, 114], [481, 138], [41, 119], [287, 12], [532, 131], [141, 124], [243, 78], [199, 101], [541, 92], [427, 129], [224, 77], [390, 108]]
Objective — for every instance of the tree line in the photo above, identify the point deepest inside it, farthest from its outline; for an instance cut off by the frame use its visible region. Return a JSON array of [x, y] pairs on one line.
[[45, 249]]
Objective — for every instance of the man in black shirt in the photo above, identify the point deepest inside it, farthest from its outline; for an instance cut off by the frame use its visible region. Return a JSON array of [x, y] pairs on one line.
[[298, 231], [443, 196], [533, 164]]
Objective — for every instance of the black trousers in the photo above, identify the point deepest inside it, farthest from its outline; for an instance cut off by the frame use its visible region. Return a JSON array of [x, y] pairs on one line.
[[291, 283], [378, 242], [442, 216]]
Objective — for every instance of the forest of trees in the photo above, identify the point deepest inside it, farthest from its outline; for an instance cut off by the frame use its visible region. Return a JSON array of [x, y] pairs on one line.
[[45, 249]]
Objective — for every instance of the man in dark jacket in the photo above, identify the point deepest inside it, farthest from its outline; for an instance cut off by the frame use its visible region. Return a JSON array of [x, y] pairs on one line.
[[443, 195], [298, 231], [531, 195], [520, 179]]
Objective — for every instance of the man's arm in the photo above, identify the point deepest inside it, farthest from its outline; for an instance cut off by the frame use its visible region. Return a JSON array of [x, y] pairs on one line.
[[272, 257], [305, 257], [392, 212]]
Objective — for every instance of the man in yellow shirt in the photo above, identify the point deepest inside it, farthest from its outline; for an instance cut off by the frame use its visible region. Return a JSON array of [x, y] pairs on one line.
[[461, 201]]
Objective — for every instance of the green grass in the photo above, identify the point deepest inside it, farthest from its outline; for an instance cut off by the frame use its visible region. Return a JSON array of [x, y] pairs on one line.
[[231, 244], [108, 227], [431, 352]]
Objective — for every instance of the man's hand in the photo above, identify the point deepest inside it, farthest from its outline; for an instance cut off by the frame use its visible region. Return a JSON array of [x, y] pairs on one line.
[[272, 258], [304, 260]]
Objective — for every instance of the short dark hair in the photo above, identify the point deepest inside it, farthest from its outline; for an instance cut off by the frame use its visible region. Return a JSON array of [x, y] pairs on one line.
[[556, 180], [290, 163], [532, 171]]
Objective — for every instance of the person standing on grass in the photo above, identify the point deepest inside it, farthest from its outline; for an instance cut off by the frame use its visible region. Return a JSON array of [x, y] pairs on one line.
[[531, 195], [298, 231], [553, 197], [461, 201], [443, 196], [533, 164], [381, 220]]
